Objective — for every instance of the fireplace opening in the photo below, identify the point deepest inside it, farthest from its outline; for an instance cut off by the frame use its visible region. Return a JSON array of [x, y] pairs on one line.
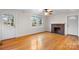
[[57, 29]]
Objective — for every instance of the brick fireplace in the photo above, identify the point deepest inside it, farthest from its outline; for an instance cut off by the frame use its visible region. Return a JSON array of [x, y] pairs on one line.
[[57, 28]]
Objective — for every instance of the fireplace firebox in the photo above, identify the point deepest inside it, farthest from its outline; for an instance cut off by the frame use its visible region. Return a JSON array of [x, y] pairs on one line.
[[57, 28]]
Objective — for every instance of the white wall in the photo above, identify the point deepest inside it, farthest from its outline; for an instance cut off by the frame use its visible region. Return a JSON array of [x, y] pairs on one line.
[[0, 30], [23, 24]]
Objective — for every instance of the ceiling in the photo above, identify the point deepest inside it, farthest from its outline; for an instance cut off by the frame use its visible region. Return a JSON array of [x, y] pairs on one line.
[[57, 11], [39, 11], [65, 10]]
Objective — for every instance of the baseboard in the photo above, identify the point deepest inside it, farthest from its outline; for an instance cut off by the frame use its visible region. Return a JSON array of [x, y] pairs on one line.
[[23, 36], [72, 35], [31, 34], [9, 39]]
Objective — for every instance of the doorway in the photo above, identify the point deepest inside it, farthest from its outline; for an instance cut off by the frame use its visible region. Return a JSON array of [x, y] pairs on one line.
[[72, 25]]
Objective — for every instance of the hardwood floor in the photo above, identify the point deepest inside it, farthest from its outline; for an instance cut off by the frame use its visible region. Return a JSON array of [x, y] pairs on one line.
[[42, 41]]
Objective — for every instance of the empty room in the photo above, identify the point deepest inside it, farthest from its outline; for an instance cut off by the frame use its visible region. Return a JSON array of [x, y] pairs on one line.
[[39, 29]]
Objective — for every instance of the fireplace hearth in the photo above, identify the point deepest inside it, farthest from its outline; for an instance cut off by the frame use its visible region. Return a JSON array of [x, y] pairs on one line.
[[57, 28]]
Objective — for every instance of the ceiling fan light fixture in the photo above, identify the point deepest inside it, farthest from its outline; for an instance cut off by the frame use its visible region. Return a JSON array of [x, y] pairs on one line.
[[48, 11]]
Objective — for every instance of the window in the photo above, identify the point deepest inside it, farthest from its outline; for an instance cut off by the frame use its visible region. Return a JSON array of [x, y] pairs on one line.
[[36, 20]]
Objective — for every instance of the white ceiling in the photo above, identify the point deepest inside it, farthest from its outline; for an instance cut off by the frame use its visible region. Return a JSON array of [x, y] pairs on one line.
[[58, 11], [38, 11]]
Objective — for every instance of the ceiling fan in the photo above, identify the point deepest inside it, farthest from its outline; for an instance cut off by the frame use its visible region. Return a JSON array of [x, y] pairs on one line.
[[48, 11]]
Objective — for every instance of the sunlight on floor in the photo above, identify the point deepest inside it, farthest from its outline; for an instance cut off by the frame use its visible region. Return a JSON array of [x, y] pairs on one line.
[[33, 44]]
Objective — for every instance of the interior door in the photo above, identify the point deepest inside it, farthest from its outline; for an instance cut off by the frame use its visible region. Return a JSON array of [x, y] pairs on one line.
[[72, 25]]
